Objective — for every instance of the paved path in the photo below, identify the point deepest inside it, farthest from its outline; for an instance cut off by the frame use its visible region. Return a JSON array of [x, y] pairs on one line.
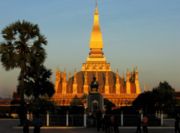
[[9, 126]]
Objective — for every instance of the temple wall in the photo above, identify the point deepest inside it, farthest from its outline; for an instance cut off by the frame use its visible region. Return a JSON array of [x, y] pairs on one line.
[[120, 98]]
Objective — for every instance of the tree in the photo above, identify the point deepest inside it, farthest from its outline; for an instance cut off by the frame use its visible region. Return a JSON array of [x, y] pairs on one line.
[[22, 45], [38, 87], [37, 83], [164, 97], [146, 102], [161, 98], [23, 48]]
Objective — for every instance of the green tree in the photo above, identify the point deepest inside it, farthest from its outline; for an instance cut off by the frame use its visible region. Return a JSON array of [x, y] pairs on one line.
[[146, 102], [161, 98], [22, 45], [39, 87], [23, 48], [164, 97], [37, 83]]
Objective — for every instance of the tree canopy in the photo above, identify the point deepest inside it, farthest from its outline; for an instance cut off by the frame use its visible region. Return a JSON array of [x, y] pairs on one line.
[[22, 46], [161, 98]]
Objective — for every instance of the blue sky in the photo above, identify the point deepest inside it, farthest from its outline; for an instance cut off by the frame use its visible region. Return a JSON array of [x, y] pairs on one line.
[[142, 33]]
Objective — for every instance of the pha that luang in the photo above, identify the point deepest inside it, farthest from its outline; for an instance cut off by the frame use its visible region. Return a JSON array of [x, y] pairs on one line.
[[118, 89]]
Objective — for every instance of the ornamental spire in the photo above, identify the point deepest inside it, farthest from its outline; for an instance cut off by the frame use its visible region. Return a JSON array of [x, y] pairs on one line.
[[96, 41]]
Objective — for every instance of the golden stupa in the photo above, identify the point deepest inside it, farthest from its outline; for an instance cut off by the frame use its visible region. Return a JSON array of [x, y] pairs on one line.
[[112, 86]]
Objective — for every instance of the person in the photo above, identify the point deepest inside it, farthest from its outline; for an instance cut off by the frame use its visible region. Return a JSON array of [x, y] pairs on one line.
[[37, 123], [145, 124], [98, 120], [22, 111], [107, 122], [138, 129], [114, 123], [103, 123], [177, 129], [26, 126]]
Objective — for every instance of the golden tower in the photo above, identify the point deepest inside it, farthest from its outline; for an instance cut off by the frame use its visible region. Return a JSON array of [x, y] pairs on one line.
[[96, 60], [96, 41]]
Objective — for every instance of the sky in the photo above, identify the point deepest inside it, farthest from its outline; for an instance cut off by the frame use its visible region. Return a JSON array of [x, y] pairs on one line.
[[142, 33]]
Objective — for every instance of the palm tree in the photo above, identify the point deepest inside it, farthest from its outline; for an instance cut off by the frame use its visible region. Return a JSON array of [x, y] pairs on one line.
[[22, 47]]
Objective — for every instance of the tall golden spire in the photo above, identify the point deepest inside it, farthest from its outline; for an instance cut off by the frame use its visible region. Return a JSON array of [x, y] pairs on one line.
[[96, 41], [96, 60]]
